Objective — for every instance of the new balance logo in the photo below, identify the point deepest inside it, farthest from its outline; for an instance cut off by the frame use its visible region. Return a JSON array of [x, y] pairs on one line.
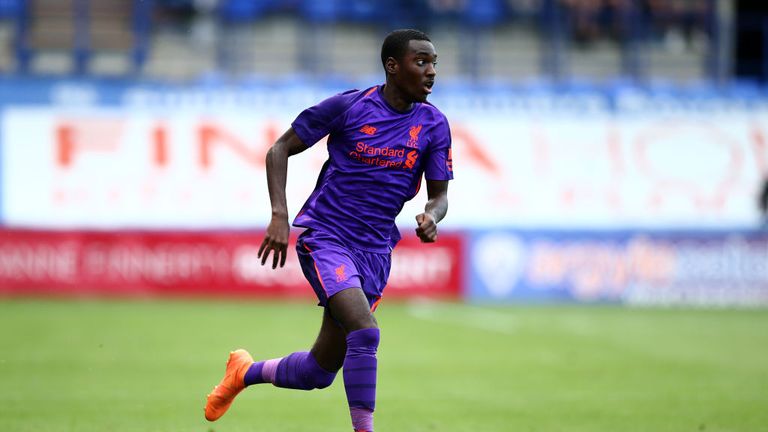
[[368, 130]]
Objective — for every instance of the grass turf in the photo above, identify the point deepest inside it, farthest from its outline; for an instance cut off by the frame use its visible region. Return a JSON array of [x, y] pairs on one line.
[[147, 366]]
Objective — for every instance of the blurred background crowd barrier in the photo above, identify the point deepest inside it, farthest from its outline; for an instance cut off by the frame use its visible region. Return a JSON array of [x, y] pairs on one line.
[[606, 151], [479, 40]]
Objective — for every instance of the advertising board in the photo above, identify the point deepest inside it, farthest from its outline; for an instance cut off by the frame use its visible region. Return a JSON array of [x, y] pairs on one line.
[[190, 263], [194, 165], [638, 268]]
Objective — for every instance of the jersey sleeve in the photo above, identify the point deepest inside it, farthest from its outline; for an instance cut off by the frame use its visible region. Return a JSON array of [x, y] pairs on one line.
[[440, 163], [318, 121]]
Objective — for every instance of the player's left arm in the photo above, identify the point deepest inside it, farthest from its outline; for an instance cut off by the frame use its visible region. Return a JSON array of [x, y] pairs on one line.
[[434, 210]]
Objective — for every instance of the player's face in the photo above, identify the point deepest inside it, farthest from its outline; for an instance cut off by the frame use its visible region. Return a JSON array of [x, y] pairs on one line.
[[417, 70]]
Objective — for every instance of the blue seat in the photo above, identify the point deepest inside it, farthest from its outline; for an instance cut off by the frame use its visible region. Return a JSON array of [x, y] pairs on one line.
[[363, 10], [325, 11], [175, 4], [10, 8], [484, 12], [244, 10], [406, 14]]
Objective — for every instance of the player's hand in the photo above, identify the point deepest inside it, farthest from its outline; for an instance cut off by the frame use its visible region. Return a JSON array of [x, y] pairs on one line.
[[275, 241], [427, 228]]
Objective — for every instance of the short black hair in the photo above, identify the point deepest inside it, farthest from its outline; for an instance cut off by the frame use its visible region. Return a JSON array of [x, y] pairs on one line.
[[396, 43]]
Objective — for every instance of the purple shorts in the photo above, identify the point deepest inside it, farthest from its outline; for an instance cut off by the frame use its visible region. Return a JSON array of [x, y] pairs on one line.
[[331, 266]]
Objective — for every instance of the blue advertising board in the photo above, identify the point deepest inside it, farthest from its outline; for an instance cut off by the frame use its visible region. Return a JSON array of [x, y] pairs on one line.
[[707, 268]]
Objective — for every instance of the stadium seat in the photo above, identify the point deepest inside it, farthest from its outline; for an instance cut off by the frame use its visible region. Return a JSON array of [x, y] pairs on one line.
[[484, 12], [366, 11], [9, 8], [244, 10], [326, 11], [406, 14]]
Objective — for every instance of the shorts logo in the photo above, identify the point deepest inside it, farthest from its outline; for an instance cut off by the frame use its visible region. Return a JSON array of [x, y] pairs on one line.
[[449, 161], [413, 141], [340, 275], [368, 130], [411, 157]]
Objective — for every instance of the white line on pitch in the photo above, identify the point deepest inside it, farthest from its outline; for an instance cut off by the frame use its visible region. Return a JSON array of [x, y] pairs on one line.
[[463, 315]]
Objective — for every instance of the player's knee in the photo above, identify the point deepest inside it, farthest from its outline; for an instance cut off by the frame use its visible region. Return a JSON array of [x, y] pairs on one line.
[[315, 376], [321, 382], [364, 340], [361, 322]]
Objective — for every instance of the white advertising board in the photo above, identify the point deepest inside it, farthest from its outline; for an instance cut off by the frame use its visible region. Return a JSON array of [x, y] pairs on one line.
[[124, 168]]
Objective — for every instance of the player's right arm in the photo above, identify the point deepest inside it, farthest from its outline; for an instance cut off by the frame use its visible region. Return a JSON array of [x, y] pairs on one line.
[[276, 238], [309, 127], [763, 200]]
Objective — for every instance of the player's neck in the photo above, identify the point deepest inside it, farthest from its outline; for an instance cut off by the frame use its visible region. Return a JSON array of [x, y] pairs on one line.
[[395, 99]]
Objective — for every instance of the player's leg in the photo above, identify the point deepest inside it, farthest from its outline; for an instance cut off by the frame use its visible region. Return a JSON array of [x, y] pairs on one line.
[[330, 347], [346, 318], [299, 370], [332, 273], [316, 368], [304, 370], [352, 309]]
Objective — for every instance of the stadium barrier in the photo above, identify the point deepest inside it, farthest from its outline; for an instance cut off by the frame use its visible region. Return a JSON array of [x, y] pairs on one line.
[[192, 157], [619, 194], [154, 263], [689, 268]]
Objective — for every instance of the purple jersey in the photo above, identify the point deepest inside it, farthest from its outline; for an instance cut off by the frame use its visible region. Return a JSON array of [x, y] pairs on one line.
[[376, 159]]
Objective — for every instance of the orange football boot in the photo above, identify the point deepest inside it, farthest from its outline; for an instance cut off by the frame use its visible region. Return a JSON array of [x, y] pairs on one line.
[[223, 394]]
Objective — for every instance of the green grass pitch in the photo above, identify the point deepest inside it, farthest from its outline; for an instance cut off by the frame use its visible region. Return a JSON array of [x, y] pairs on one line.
[[147, 366]]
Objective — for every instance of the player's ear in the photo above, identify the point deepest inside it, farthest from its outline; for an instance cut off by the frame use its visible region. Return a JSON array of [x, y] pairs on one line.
[[391, 65]]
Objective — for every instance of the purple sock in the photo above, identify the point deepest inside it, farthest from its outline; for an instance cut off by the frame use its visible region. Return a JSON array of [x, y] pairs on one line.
[[261, 372], [301, 371], [360, 376], [296, 371]]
